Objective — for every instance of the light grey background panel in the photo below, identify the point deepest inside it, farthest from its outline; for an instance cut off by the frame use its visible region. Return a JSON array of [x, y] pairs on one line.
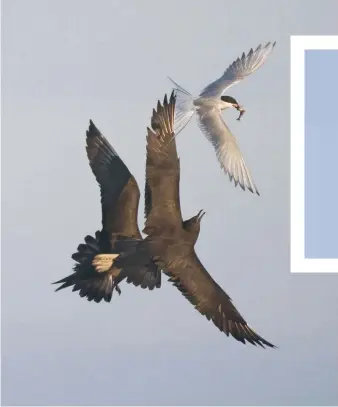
[[321, 145]]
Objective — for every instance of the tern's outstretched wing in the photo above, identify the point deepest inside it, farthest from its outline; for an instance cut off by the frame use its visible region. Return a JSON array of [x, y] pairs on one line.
[[216, 131], [238, 70]]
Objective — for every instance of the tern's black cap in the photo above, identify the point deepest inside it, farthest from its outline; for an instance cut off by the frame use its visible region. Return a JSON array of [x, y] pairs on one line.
[[229, 99]]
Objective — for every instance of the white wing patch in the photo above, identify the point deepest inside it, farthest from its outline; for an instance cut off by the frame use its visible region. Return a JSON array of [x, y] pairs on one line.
[[103, 262], [229, 156]]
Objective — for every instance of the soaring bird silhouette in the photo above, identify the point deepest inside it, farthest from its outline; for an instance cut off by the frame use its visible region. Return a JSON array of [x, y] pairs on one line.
[[208, 107], [94, 273], [170, 241]]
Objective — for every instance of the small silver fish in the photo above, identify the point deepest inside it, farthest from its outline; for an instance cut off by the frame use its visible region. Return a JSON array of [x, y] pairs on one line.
[[241, 112]]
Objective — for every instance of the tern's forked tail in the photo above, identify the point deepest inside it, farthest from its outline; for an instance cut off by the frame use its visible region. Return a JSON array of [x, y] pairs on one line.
[[184, 109]]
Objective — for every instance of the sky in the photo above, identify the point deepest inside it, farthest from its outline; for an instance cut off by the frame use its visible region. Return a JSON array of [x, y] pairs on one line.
[[321, 145], [65, 62]]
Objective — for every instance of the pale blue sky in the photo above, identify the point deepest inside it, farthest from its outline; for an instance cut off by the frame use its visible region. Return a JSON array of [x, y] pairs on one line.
[[66, 61], [321, 159]]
